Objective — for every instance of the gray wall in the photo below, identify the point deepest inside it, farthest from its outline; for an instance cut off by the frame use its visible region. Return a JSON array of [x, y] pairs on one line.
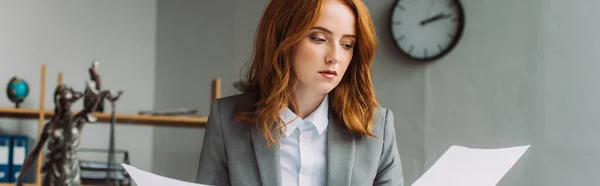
[[569, 154], [193, 48], [525, 73], [198, 41], [67, 36], [487, 92]]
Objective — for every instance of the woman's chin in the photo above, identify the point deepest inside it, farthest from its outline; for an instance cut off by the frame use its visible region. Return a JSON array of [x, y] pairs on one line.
[[324, 88]]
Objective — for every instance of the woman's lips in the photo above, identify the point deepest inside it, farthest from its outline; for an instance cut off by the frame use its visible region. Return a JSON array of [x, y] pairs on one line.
[[329, 74]]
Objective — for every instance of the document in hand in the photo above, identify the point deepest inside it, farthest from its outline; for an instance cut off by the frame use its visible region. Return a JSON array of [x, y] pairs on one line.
[[462, 166], [143, 178]]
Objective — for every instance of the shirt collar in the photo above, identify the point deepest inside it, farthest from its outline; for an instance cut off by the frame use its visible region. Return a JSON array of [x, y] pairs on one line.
[[319, 118]]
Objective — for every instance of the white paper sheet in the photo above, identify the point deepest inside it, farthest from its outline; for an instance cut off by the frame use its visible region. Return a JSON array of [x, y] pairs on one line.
[[143, 178], [462, 166]]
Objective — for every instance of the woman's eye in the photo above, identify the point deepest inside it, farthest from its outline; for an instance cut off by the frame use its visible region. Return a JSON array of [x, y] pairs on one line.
[[317, 39], [347, 45]]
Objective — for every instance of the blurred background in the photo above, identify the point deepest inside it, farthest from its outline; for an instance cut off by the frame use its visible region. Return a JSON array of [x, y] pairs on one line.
[[519, 75]]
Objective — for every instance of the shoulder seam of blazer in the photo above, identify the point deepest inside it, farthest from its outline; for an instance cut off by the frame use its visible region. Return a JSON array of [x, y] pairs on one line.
[[385, 121]]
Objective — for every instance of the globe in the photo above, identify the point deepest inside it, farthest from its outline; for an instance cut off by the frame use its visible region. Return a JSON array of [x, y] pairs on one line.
[[17, 90]]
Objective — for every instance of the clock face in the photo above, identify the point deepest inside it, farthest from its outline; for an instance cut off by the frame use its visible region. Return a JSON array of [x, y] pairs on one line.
[[427, 29]]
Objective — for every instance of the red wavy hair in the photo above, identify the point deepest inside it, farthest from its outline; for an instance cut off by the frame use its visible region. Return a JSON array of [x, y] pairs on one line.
[[283, 24]]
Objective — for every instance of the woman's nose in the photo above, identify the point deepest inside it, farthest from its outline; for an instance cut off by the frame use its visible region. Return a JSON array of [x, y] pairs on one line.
[[333, 55]]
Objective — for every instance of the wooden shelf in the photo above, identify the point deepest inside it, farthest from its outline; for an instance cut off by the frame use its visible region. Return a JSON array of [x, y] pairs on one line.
[[177, 121], [19, 113]]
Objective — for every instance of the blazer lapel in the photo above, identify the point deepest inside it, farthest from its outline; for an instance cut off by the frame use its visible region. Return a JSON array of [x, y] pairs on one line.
[[340, 155], [267, 160]]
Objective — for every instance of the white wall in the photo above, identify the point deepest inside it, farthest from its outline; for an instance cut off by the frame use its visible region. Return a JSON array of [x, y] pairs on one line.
[[67, 36]]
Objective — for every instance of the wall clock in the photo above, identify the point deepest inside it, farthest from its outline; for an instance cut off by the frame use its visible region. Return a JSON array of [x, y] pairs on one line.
[[427, 30]]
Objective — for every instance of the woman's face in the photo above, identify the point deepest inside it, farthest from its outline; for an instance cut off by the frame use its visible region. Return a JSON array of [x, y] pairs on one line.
[[321, 58]]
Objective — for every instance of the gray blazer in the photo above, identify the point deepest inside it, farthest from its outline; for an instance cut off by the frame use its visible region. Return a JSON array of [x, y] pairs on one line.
[[235, 154]]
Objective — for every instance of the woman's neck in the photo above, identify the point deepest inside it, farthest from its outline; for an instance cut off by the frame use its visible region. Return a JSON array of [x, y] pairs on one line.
[[308, 102]]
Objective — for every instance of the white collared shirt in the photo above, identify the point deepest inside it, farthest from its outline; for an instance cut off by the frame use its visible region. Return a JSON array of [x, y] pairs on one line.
[[303, 153]]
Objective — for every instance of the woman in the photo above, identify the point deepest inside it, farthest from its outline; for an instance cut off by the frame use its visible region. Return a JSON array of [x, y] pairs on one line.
[[309, 114]]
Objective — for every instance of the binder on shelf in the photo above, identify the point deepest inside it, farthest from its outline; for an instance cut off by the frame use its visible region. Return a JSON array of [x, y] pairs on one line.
[[20, 149], [5, 158]]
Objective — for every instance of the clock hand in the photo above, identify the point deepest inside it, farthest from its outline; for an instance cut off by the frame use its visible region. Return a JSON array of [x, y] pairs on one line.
[[437, 17], [428, 20]]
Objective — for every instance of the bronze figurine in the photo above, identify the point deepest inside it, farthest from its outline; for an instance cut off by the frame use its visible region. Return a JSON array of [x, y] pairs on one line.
[[61, 165]]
